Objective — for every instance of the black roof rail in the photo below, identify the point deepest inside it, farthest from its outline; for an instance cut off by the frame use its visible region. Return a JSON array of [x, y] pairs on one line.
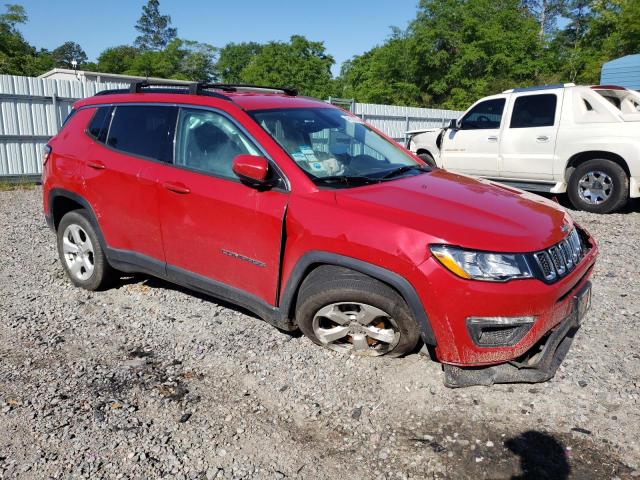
[[195, 88], [113, 91], [191, 88], [136, 87], [234, 87]]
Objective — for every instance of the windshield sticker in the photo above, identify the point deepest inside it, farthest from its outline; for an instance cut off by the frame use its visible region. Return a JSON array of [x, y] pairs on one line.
[[307, 150], [317, 166], [351, 119]]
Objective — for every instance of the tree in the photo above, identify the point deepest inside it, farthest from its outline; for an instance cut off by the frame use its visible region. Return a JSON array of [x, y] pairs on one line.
[[198, 61], [17, 57], [384, 74], [155, 30], [65, 54], [14, 15], [117, 59], [233, 58], [298, 63], [546, 12]]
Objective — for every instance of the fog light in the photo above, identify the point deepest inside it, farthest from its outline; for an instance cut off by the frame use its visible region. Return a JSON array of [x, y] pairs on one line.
[[498, 331]]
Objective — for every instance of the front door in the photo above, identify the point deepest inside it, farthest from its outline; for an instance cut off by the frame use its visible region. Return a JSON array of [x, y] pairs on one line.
[[529, 139], [474, 147], [216, 229]]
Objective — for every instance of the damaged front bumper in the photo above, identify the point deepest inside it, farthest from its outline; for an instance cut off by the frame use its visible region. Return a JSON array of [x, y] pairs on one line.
[[539, 364]]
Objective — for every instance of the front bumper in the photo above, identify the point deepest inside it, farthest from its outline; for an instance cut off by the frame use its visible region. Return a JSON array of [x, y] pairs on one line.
[[539, 364], [450, 300]]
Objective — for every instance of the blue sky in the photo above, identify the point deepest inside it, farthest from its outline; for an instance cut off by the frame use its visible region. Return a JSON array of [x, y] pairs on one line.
[[347, 27]]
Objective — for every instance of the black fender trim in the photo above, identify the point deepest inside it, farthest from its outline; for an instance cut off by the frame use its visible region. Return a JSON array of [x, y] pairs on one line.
[[56, 193], [401, 284]]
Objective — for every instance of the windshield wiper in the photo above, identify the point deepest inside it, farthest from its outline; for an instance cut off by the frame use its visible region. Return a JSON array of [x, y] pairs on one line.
[[403, 169], [346, 180]]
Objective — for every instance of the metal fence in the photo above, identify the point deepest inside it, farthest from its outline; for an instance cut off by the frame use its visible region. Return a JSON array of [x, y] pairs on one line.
[[396, 121], [33, 109]]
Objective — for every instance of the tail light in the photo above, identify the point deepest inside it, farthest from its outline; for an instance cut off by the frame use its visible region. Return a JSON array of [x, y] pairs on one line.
[[46, 154]]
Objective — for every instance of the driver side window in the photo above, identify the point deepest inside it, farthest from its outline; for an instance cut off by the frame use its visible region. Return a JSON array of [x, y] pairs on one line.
[[484, 116], [209, 142]]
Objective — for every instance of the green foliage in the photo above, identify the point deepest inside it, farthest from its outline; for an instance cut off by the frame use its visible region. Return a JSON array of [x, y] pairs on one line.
[[154, 28], [234, 57], [17, 57], [385, 74], [65, 54], [117, 59], [298, 63], [181, 60]]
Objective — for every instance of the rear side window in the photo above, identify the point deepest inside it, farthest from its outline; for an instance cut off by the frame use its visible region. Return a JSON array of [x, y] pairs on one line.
[[534, 111], [485, 115], [100, 124], [145, 131]]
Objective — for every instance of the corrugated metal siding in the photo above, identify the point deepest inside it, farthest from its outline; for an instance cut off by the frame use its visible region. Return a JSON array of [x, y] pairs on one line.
[[31, 111], [396, 121], [623, 71]]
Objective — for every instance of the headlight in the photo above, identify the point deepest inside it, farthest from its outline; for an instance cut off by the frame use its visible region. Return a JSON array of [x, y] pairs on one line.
[[493, 267]]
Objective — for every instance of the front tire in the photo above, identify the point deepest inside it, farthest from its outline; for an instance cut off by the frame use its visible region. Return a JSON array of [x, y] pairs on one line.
[[80, 252], [352, 313], [599, 186]]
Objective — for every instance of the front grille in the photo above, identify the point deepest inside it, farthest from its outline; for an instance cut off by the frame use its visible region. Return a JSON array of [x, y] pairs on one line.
[[560, 259]]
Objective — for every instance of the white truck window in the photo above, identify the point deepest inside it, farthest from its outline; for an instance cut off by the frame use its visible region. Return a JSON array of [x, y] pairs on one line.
[[534, 111], [485, 115]]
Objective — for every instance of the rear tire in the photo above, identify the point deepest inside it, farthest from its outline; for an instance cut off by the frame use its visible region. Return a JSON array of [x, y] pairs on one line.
[[599, 186], [81, 254], [428, 159], [352, 313]]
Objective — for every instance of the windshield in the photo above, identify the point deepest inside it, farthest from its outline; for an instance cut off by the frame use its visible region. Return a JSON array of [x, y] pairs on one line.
[[332, 146]]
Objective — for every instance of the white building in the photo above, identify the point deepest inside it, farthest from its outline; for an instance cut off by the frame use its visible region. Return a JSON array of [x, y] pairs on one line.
[[82, 75]]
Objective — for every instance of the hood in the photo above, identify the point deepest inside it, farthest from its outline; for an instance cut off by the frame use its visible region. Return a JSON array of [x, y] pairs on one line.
[[463, 211], [423, 130]]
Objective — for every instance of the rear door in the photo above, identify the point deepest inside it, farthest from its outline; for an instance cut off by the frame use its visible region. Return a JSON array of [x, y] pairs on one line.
[[216, 229], [473, 148], [129, 142], [528, 140]]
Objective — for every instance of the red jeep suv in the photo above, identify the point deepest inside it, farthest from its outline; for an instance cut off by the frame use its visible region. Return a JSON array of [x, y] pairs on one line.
[[305, 215]]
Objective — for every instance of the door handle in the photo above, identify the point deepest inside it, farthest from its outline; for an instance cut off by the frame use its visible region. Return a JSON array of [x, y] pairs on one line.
[[96, 164], [542, 138], [176, 187], [492, 138]]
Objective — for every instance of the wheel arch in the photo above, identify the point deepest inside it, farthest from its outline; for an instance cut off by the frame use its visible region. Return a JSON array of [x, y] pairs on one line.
[[579, 158], [423, 150], [63, 201], [312, 260]]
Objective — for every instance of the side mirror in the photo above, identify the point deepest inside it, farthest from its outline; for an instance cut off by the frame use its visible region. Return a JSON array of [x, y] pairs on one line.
[[453, 124], [251, 169]]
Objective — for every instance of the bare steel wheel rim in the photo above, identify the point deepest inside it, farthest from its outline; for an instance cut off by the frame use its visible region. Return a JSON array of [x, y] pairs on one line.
[[357, 328], [78, 252], [595, 187]]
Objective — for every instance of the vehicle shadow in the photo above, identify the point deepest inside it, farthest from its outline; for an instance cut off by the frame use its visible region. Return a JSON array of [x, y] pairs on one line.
[[542, 456], [632, 206], [158, 283]]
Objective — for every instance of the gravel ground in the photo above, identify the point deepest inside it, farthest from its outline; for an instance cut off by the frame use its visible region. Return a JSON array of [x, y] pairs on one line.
[[147, 380]]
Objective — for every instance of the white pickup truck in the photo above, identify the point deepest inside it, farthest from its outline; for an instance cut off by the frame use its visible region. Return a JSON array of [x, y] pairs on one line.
[[579, 140]]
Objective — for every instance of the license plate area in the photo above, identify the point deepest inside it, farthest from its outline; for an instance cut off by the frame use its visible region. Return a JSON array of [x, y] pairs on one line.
[[582, 302]]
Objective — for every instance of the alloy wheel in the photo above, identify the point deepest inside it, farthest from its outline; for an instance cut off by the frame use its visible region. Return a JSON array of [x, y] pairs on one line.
[[78, 252], [357, 328], [595, 187]]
